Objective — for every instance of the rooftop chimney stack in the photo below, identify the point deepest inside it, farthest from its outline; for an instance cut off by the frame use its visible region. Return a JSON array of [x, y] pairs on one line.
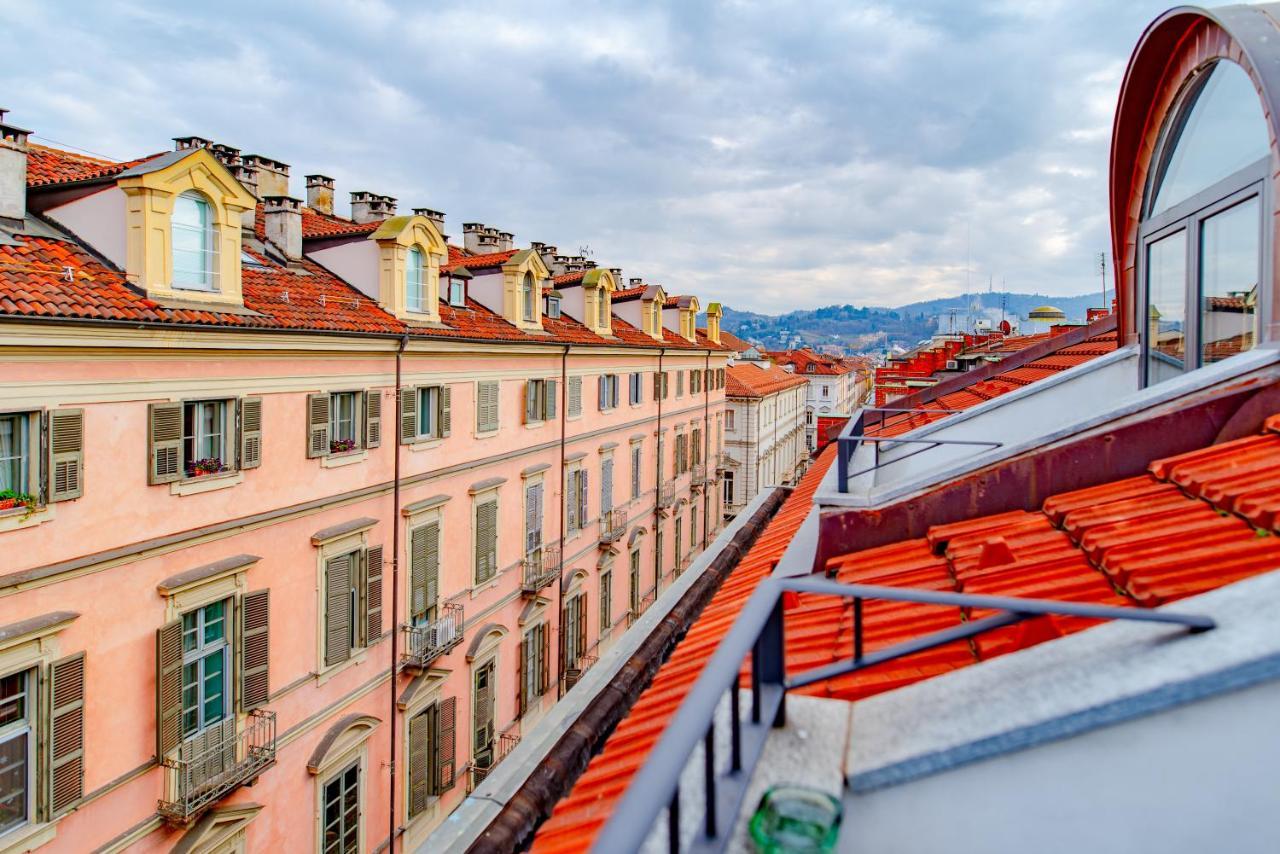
[[320, 194], [187, 143], [506, 240], [13, 172], [617, 277], [635, 282], [471, 233], [282, 217], [436, 217], [273, 176], [248, 178], [371, 207], [225, 154]]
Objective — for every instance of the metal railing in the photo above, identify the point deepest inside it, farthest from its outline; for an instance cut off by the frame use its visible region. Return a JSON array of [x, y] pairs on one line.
[[424, 644], [724, 461], [700, 474], [214, 762], [854, 433], [613, 525], [758, 632], [667, 494], [503, 745], [540, 567], [576, 670]]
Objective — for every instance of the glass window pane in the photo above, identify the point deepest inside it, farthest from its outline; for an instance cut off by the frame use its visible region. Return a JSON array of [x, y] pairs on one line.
[[1230, 258], [190, 698], [427, 398], [413, 280], [191, 233], [14, 774], [13, 453], [13, 699], [215, 622], [1166, 343], [1224, 132], [214, 683]]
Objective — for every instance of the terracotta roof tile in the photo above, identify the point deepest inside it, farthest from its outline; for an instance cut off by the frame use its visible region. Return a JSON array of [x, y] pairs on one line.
[[749, 380], [316, 224], [478, 262], [50, 166]]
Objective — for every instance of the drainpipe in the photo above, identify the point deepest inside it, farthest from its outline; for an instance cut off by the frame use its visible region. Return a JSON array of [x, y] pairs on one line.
[[395, 600], [706, 443], [657, 510], [564, 415]]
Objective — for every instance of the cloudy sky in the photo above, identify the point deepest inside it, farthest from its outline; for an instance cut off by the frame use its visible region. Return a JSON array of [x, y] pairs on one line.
[[768, 155]]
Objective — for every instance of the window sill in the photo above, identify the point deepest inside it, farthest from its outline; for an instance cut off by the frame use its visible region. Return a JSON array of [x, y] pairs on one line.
[[21, 517], [426, 443], [534, 425], [207, 483], [487, 434], [28, 838], [485, 586], [333, 461], [357, 656]]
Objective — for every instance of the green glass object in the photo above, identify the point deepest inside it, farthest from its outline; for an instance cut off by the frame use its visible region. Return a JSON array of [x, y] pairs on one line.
[[796, 818]]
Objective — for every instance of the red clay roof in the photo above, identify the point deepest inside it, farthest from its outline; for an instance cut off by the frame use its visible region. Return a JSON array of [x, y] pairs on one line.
[[49, 166], [802, 359], [579, 816], [1015, 378], [317, 224], [478, 262], [569, 278], [629, 293], [749, 380], [733, 342]]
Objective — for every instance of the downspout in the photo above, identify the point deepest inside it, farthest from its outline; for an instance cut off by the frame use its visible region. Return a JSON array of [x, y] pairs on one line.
[[564, 417], [706, 444], [657, 491], [395, 601]]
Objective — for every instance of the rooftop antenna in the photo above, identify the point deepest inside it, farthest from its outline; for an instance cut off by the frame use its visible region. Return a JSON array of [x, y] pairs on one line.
[[1102, 271], [585, 251]]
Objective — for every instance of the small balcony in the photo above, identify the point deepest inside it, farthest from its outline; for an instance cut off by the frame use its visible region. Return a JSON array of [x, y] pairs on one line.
[[723, 461], [613, 525], [540, 567], [214, 762], [425, 643], [667, 494], [700, 474], [477, 771], [577, 670]]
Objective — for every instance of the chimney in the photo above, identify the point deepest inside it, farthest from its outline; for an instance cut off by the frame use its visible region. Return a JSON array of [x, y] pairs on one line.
[[13, 172], [471, 232], [489, 241], [248, 178], [273, 176], [636, 282], [283, 218], [186, 143], [371, 207], [320, 194], [225, 154], [505, 241], [617, 277], [436, 217]]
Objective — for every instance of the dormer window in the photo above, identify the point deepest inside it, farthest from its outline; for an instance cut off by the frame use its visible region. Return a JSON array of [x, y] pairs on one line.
[[603, 303], [194, 244], [528, 288], [415, 281], [553, 307], [457, 291]]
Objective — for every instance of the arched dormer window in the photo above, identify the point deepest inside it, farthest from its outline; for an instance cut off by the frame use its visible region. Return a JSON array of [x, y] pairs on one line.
[[1201, 257], [602, 302], [415, 281], [528, 293], [195, 254]]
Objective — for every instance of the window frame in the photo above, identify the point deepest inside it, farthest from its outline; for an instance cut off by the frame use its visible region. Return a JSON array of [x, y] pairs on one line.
[[461, 284], [415, 300], [230, 461], [30, 474], [355, 765], [437, 416], [357, 422], [208, 252], [201, 653], [26, 729]]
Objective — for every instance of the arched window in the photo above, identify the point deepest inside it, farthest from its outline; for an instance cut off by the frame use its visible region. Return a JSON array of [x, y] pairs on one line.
[[527, 297], [602, 295], [194, 244], [415, 281], [1201, 234]]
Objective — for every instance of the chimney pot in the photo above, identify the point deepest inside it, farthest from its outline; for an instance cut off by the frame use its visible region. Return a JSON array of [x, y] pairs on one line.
[[371, 207], [13, 171], [436, 217], [184, 143], [472, 232], [225, 154], [320, 194], [506, 240], [273, 176], [282, 217]]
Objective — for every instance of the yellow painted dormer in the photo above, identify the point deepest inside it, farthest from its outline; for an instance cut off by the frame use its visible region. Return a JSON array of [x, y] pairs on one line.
[[598, 286], [410, 252], [182, 228], [714, 313], [651, 311], [688, 308], [523, 276]]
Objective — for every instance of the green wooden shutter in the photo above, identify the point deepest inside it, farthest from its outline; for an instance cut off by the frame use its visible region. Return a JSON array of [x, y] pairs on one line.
[[571, 502], [487, 407], [337, 611], [165, 438], [446, 743], [64, 757], [317, 425], [254, 649], [522, 670], [168, 687], [419, 781], [549, 401], [373, 418], [446, 410], [408, 415], [250, 432], [66, 454], [373, 594], [418, 602], [531, 402], [486, 540]]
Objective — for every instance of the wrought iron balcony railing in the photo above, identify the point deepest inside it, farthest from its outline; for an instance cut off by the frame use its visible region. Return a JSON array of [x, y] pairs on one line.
[[667, 494], [577, 669], [540, 567], [700, 474], [214, 762], [613, 525], [478, 770], [425, 643]]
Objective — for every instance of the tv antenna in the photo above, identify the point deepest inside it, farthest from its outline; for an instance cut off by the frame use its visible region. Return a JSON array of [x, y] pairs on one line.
[[585, 251], [1102, 271]]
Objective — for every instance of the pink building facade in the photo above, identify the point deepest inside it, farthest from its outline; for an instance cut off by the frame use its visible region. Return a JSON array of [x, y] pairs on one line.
[[310, 518]]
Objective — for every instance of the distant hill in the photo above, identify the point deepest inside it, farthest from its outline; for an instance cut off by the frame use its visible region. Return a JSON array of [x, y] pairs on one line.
[[873, 328]]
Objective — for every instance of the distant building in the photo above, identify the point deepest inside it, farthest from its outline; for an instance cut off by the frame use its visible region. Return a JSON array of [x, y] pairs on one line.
[[763, 432]]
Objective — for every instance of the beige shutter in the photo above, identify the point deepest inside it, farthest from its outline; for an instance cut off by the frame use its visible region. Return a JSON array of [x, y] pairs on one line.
[[487, 408], [250, 432], [446, 410], [486, 540], [165, 436], [64, 759], [544, 678], [549, 401], [446, 744], [419, 784], [337, 611], [255, 649], [168, 687], [418, 571], [433, 563], [408, 415], [66, 454], [373, 594], [522, 665], [530, 401], [657, 386], [317, 425], [574, 396], [373, 418]]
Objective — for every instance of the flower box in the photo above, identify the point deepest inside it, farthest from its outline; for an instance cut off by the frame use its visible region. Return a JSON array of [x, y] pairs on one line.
[[200, 468], [10, 500], [342, 446]]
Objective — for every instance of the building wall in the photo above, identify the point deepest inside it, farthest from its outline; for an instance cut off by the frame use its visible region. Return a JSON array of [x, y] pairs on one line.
[[767, 445]]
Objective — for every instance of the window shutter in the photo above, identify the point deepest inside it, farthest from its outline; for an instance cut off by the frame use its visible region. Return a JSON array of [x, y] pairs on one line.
[[544, 660], [419, 784], [433, 563], [486, 407], [373, 594], [418, 571], [530, 402], [486, 540], [337, 610], [582, 496], [255, 646], [522, 664], [446, 744], [66, 454], [317, 425], [446, 410], [250, 432], [168, 687], [165, 434], [575, 396], [571, 501], [408, 414], [602, 392], [549, 402], [581, 625], [373, 418], [65, 744], [657, 386], [606, 485]]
